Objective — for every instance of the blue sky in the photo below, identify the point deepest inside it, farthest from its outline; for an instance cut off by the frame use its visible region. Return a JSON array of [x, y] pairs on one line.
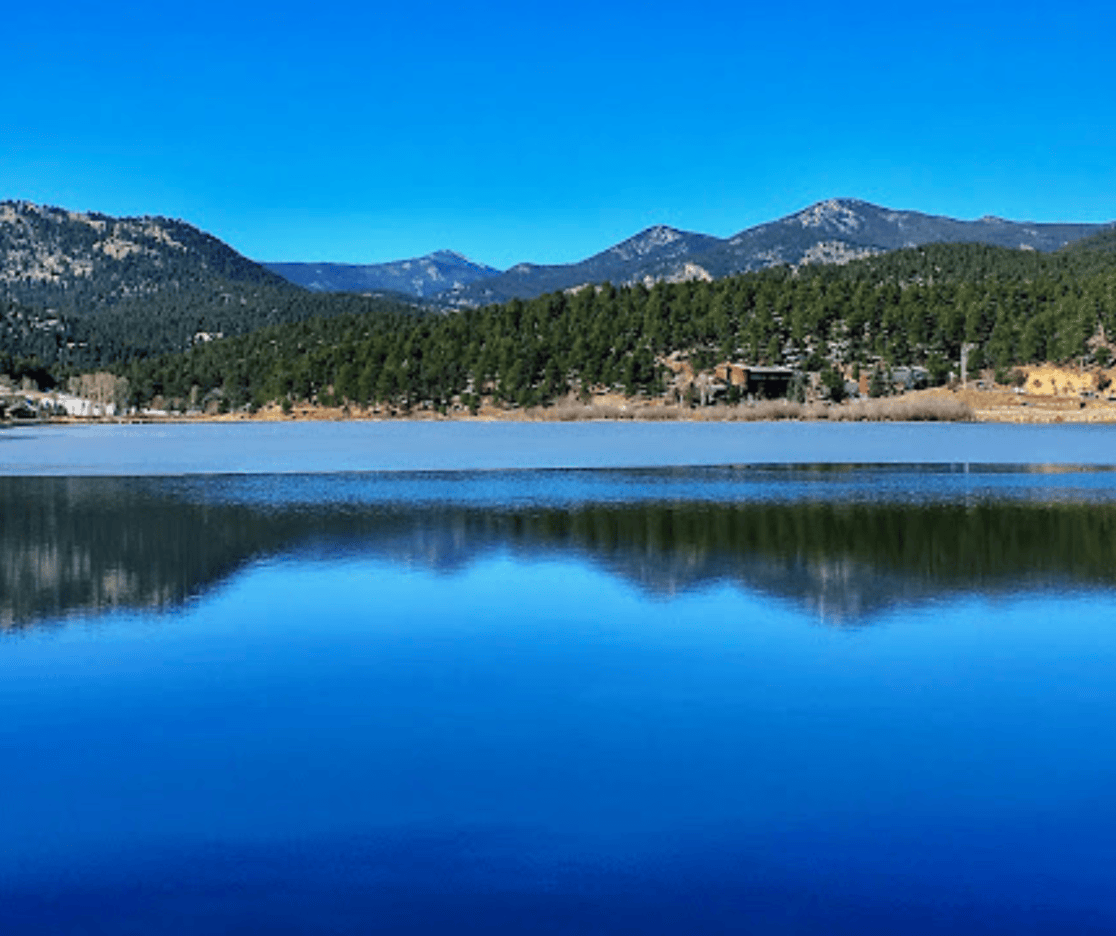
[[509, 132]]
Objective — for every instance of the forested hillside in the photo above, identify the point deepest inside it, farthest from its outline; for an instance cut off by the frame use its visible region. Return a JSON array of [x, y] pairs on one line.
[[80, 290], [82, 262], [915, 306], [184, 317]]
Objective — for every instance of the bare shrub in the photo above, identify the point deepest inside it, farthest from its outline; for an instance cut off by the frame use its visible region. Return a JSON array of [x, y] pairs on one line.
[[753, 412], [663, 413], [884, 409], [570, 411], [900, 409]]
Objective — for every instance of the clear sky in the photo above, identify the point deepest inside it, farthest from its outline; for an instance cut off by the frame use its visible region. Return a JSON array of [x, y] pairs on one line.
[[513, 131]]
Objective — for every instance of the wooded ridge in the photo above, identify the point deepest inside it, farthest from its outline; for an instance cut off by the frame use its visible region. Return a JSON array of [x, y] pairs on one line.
[[82, 290], [124, 292], [913, 308]]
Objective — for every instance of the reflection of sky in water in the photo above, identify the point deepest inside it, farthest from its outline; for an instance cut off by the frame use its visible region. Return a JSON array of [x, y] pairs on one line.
[[560, 701], [534, 733]]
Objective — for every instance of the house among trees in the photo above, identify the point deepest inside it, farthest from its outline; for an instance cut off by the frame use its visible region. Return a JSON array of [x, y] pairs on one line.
[[18, 407], [763, 382], [909, 378]]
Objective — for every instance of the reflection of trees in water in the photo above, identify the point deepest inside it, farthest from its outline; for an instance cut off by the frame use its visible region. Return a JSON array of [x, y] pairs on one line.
[[84, 545], [843, 562], [80, 544]]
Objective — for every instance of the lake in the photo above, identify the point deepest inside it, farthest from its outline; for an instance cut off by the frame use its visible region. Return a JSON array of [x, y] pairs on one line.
[[420, 678]]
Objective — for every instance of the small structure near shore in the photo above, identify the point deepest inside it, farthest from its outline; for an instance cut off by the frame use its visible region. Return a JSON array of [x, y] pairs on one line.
[[18, 408], [81, 407], [765, 382]]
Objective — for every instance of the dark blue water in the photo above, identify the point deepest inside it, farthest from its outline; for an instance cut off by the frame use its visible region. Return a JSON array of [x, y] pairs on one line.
[[763, 700]]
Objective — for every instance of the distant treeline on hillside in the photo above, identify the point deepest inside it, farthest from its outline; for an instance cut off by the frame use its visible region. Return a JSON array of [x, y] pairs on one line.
[[916, 306], [168, 321]]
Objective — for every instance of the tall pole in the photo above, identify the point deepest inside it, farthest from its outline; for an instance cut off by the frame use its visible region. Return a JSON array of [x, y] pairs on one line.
[[965, 348]]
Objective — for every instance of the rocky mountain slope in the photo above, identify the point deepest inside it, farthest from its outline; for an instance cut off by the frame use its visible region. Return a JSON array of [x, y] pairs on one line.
[[82, 288], [58, 258], [421, 277]]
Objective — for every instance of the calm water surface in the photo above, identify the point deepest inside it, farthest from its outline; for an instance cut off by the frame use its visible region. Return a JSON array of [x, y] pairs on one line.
[[317, 447], [772, 698]]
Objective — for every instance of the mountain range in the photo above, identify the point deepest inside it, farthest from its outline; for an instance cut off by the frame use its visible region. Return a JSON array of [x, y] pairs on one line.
[[441, 271], [833, 231], [79, 262], [80, 289]]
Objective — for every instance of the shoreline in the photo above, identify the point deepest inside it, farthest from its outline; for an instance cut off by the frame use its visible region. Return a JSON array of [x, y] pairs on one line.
[[935, 405]]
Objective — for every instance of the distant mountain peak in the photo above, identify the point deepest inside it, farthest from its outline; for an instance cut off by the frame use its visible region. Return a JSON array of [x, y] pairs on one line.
[[835, 213], [652, 241], [419, 276], [452, 256], [662, 233], [658, 235]]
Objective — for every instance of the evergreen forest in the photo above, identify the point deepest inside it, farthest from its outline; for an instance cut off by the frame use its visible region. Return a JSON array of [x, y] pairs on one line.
[[917, 306]]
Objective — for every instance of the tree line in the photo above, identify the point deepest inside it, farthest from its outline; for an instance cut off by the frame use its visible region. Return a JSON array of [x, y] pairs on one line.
[[909, 307]]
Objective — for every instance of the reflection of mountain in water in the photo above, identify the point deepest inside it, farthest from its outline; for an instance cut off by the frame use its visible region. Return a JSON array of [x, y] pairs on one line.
[[87, 545]]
